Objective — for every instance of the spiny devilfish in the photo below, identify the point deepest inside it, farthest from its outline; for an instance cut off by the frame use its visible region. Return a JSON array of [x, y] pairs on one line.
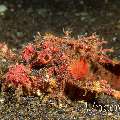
[[52, 62]]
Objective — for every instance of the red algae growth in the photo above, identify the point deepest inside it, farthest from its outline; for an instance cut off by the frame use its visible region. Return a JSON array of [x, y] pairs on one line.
[[52, 64]]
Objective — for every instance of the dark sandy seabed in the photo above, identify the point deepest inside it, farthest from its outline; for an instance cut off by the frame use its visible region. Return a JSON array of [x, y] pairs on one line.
[[24, 18]]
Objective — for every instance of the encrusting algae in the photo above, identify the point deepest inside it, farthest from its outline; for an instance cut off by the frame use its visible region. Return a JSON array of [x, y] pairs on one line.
[[51, 64]]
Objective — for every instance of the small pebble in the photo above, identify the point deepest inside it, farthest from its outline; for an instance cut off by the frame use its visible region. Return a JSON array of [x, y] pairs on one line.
[[114, 39], [3, 8]]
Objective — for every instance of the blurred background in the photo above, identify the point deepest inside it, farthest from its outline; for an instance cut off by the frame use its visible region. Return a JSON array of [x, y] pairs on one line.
[[21, 19]]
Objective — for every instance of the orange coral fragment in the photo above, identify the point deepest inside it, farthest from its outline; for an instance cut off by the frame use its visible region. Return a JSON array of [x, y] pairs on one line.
[[79, 69]]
